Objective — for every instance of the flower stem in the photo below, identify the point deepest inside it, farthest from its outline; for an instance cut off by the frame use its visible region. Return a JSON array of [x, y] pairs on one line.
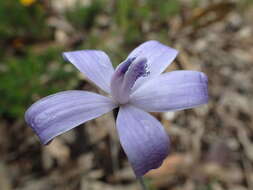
[[115, 113], [142, 183], [114, 147]]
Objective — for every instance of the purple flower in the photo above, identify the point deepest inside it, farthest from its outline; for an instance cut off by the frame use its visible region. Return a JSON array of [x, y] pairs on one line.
[[137, 86]]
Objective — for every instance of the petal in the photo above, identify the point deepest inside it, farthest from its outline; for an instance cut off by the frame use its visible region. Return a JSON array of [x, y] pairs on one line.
[[125, 76], [172, 91], [60, 112], [95, 64], [159, 57], [143, 139]]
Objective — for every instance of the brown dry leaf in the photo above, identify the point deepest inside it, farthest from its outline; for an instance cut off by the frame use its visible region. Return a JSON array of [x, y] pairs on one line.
[[212, 170], [101, 127], [85, 162], [57, 150], [209, 15], [5, 182], [171, 165]]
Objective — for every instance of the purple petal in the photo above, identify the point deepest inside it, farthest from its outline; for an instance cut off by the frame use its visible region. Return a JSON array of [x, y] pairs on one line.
[[172, 91], [143, 139], [60, 112], [159, 57], [95, 64], [125, 76]]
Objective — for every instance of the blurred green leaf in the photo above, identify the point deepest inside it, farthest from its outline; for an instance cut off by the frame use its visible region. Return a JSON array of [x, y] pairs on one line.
[[83, 17], [24, 77], [22, 21]]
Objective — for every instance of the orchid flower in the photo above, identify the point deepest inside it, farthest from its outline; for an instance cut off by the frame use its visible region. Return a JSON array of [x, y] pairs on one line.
[[136, 86]]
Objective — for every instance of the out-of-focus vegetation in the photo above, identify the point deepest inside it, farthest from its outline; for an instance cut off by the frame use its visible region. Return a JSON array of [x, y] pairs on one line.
[[34, 33]]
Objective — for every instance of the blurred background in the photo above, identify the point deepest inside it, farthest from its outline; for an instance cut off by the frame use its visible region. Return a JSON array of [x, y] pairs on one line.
[[212, 146]]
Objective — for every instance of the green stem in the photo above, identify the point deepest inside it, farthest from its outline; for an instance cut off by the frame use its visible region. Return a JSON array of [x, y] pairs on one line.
[[143, 185]]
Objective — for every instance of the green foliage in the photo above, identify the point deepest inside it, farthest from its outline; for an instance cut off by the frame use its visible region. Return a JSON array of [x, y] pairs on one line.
[[205, 187], [20, 21], [83, 17], [164, 9], [245, 3], [131, 15], [24, 79], [124, 13], [195, 3]]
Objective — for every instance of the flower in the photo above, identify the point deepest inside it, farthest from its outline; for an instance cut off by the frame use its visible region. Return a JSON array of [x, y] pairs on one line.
[[27, 2], [136, 86]]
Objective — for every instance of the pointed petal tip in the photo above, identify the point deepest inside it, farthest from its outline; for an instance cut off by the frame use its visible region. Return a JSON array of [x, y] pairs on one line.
[[139, 172], [29, 121], [204, 80], [146, 170], [64, 55], [203, 77], [143, 139], [177, 90], [94, 64], [60, 112]]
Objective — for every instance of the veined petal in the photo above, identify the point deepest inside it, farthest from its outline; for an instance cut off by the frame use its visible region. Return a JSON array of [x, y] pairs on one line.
[[172, 91], [60, 112], [95, 64], [125, 76], [159, 57], [143, 139]]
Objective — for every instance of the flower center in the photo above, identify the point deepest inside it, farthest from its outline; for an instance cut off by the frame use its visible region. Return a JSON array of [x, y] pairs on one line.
[[125, 77]]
